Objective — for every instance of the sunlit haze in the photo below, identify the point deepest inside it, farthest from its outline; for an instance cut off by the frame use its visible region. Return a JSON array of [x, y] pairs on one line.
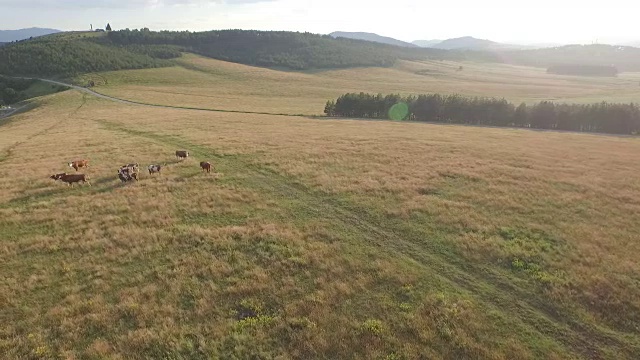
[[543, 21]]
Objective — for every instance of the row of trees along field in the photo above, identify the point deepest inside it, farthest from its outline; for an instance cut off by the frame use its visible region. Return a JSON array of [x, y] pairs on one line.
[[456, 109], [291, 50]]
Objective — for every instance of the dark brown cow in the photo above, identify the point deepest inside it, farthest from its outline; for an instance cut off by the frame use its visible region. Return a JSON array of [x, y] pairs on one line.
[[79, 164], [182, 154], [71, 179], [206, 166]]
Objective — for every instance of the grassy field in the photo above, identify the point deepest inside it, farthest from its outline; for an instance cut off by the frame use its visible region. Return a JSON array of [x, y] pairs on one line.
[[313, 238], [205, 83]]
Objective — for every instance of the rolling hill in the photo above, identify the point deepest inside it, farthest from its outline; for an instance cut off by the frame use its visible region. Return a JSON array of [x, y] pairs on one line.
[[314, 238], [371, 37], [468, 43], [624, 58], [21, 34], [75, 53]]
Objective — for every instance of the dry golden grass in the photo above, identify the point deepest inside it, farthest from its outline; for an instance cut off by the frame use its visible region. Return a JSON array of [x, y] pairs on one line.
[[342, 239], [205, 83]]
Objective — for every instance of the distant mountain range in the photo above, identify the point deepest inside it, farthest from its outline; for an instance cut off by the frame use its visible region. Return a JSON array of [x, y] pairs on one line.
[[467, 43], [21, 34], [470, 43], [462, 43], [372, 37]]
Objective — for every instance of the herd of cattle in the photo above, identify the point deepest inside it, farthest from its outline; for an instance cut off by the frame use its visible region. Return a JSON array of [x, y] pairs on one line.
[[129, 172]]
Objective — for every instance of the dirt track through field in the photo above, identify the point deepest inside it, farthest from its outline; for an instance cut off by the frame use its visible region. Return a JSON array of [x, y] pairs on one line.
[[129, 102]]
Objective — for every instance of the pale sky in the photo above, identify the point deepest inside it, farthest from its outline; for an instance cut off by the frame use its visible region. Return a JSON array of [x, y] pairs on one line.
[[514, 21]]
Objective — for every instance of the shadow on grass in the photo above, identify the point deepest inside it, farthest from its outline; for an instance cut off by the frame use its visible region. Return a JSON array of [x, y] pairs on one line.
[[37, 196], [63, 189]]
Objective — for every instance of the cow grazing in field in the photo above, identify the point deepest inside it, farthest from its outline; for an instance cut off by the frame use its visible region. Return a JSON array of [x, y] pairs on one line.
[[134, 167], [206, 166], [127, 173], [182, 154], [79, 164], [154, 169], [71, 179]]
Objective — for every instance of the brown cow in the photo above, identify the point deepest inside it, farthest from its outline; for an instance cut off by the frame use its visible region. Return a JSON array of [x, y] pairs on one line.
[[71, 179], [79, 164], [182, 154], [206, 166]]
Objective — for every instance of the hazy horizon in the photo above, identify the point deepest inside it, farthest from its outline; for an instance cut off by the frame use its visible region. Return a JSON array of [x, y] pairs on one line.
[[407, 20]]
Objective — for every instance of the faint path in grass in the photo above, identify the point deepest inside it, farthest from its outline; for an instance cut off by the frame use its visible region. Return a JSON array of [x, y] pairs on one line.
[[131, 102], [519, 304]]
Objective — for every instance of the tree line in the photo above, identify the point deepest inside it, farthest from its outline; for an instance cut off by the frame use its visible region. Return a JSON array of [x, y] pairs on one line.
[[456, 109]]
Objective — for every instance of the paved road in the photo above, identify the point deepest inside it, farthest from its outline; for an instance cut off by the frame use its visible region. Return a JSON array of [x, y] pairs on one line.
[[5, 114]]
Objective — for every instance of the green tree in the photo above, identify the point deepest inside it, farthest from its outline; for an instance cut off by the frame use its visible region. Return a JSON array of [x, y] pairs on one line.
[[10, 95], [330, 108], [108, 28]]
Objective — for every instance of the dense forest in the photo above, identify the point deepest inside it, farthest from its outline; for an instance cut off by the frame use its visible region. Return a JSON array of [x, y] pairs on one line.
[[291, 50], [583, 70], [624, 58], [56, 56], [455, 109]]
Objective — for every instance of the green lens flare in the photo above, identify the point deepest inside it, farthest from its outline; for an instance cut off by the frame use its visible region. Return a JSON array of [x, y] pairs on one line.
[[399, 111]]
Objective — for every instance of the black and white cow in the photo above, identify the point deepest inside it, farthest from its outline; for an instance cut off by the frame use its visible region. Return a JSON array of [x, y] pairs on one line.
[[153, 169]]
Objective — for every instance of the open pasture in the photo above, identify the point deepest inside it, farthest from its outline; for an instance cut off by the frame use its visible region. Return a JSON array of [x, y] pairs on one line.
[[211, 84], [314, 238]]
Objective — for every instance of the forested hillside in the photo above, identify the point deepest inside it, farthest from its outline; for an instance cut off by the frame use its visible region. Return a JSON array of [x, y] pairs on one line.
[[58, 56], [287, 49], [75, 53]]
